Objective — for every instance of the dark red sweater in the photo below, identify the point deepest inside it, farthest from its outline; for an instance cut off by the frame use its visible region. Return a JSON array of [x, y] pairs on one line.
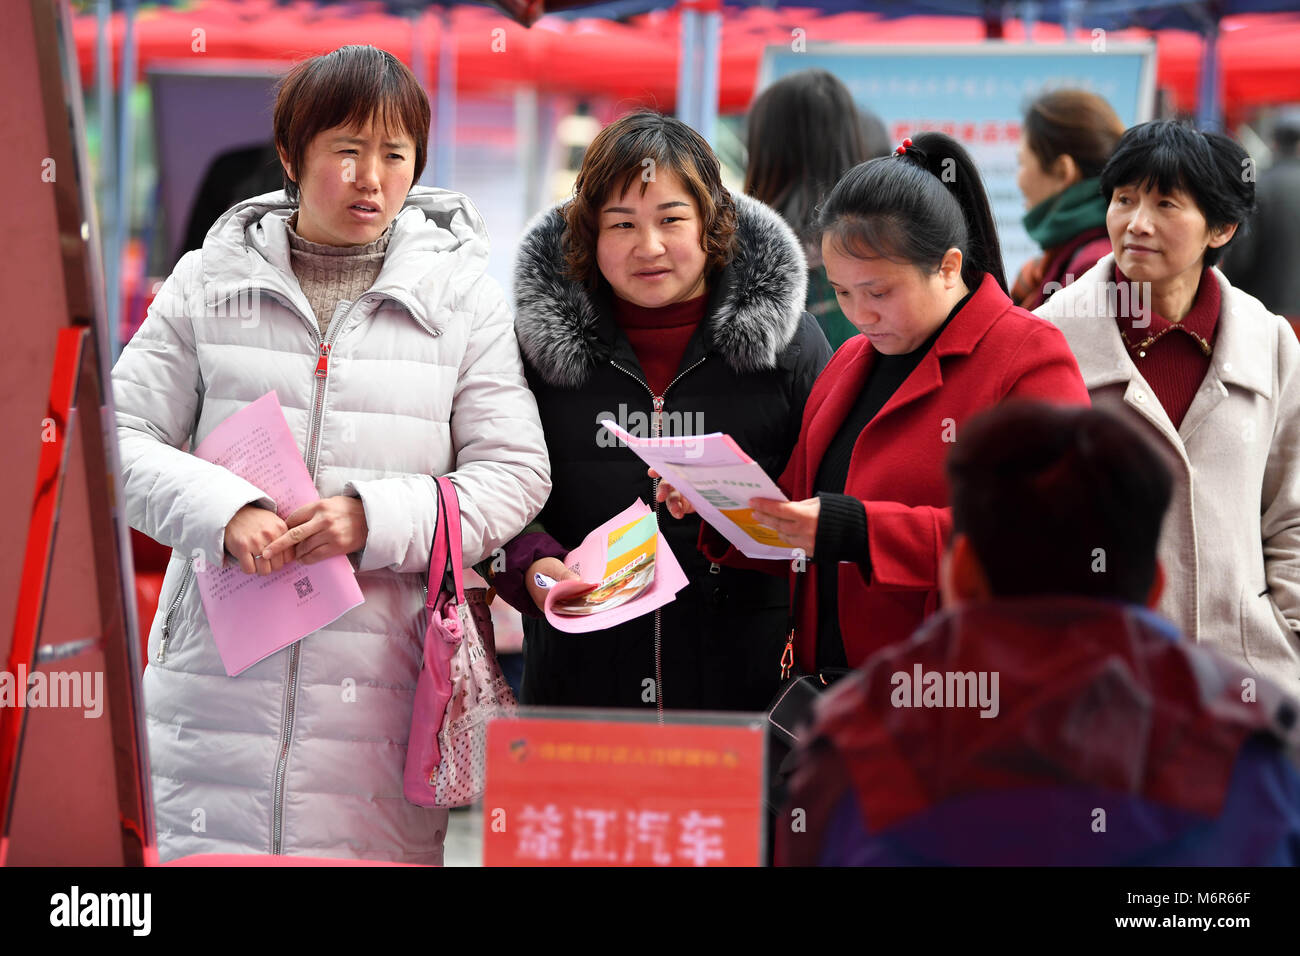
[[659, 336], [1174, 356]]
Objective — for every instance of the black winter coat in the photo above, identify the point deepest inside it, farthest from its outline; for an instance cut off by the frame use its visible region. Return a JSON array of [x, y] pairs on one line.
[[1261, 260], [747, 372]]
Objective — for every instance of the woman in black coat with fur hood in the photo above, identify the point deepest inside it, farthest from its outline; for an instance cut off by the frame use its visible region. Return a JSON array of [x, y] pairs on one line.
[[656, 298]]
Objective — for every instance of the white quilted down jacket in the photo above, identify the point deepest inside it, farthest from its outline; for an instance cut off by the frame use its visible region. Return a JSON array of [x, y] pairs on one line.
[[302, 753]]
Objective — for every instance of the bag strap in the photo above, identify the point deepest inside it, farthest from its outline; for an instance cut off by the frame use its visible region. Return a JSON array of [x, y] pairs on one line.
[[437, 555], [787, 655], [449, 513], [441, 552]]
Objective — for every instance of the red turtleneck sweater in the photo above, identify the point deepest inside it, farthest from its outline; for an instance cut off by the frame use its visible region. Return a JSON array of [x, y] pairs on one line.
[[659, 336], [1174, 356]]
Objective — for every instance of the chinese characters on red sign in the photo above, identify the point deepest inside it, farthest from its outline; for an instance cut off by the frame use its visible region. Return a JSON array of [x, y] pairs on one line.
[[594, 793], [988, 131]]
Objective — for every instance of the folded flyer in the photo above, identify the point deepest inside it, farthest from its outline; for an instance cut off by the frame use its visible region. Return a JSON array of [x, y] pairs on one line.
[[627, 569], [252, 616], [718, 479]]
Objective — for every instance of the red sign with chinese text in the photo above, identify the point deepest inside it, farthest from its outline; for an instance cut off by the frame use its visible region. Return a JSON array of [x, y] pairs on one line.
[[564, 792]]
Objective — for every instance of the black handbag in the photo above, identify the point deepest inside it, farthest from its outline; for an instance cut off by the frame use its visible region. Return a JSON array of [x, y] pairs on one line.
[[790, 714]]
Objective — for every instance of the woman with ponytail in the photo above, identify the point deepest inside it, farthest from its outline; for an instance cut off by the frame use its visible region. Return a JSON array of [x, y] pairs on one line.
[[911, 250]]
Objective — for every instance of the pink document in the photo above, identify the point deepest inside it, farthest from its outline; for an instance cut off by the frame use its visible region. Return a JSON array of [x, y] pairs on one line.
[[626, 555], [715, 475], [251, 616]]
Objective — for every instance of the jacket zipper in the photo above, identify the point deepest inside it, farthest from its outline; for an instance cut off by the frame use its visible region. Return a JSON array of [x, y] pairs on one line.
[[656, 429], [291, 696], [161, 656]]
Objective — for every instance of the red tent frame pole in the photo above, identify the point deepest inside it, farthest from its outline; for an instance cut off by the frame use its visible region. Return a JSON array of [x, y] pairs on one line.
[[50, 473]]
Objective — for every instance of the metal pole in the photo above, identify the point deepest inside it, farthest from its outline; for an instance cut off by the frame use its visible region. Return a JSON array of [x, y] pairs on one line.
[[1207, 101], [444, 153], [107, 192], [686, 75], [527, 121], [420, 67], [710, 60], [1072, 15], [125, 131], [419, 52], [1029, 11]]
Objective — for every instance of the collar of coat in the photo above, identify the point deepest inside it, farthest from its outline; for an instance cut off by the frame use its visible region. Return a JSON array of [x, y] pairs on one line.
[[961, 337], [438, 248], [1085, 312], [755, 305]]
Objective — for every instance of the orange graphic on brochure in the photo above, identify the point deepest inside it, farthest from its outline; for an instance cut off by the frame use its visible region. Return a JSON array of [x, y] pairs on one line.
[[744, 519]]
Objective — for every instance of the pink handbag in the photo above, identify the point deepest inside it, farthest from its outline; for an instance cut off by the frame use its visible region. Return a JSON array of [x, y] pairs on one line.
[[461, 686]]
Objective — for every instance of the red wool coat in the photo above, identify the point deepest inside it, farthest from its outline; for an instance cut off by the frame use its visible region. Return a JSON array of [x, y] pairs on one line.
[[990, 351]]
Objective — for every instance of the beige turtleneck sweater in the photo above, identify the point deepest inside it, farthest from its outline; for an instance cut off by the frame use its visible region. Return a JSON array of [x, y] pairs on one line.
[[333, 274]]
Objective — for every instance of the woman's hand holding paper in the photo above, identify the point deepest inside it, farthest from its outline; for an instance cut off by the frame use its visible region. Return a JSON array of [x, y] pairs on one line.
[[247, 535], [678, 506], [795, 521], [554, 569], [321, 530]]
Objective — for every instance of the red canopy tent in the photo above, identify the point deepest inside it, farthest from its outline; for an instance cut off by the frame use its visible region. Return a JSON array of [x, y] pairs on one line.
[[638, 60]]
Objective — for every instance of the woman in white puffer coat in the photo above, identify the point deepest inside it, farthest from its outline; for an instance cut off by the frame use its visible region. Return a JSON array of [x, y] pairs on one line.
[[364, 304]]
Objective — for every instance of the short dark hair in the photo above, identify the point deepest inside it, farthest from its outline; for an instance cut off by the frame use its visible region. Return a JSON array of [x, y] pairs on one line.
[[347, 88], [1074, 123], [914, 206], [617, 158], [1049, 496], [803, 133], [1213, 169]]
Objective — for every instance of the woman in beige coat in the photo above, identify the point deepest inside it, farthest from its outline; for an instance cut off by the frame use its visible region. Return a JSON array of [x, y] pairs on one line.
[[1212, 377]]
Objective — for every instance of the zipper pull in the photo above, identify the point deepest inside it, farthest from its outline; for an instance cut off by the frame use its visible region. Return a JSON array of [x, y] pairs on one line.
[[658, 423], [161, 656], [323, 364]]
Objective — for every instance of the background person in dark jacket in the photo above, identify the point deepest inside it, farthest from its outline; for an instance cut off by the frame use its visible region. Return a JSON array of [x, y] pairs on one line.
[[657, 298], [1068, 136], [1091, 734], [803, 133], [1265, 259]]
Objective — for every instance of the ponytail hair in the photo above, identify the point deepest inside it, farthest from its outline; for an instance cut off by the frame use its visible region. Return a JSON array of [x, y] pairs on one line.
[[913, 207]]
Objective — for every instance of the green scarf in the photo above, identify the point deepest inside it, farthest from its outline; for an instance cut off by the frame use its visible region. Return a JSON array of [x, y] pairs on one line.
[[1075, 209]]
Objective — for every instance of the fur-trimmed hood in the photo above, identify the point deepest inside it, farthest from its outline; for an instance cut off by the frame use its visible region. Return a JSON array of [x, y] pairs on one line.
[[752, 321]]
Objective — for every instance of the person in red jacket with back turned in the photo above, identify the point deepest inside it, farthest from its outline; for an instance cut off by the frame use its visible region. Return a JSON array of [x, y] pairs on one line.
[[1047, 716], [911, 249]]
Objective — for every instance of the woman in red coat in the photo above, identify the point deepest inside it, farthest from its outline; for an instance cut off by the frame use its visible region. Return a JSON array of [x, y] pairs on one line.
[[911, 250]]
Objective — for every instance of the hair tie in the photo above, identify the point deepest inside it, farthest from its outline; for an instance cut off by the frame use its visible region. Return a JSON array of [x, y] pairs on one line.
[[902, 150]]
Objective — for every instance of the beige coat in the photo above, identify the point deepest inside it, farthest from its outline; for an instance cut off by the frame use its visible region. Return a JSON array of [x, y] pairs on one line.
[[1230, 544]]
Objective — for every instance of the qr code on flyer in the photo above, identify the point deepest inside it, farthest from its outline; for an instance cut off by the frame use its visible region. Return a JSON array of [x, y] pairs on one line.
[[303, 587]]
